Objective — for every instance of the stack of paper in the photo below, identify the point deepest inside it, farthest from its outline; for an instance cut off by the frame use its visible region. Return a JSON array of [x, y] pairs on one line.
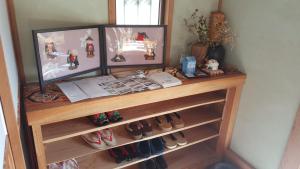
[[165, 79]]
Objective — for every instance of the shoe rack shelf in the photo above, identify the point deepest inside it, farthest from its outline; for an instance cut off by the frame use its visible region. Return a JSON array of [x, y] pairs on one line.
[[207, 106]]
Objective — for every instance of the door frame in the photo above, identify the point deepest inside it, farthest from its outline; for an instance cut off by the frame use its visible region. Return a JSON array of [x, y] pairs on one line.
[[13, 127]]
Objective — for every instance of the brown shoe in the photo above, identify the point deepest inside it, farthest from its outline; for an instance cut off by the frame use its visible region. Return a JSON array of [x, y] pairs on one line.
[[163, 123], [147, 128], [176, 120], [135, 130]]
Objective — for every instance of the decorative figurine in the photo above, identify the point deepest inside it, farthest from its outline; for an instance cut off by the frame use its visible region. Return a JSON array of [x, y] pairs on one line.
[[73, 59], [150, 47], [118, 57], [90, 47], [50, 49], [212, 64], [141, 36], [212, 68]]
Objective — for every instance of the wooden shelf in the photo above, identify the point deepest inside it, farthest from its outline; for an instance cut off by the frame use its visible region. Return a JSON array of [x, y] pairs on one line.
[[198, 156], [76, 147], [194, 136], [67, 129]]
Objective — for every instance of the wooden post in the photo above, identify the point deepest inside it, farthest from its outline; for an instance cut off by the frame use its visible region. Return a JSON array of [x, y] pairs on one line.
[[112, 18], [228, 119], [39, 146]]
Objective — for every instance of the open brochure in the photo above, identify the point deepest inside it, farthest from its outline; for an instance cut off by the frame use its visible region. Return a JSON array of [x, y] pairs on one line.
[[105, 86]]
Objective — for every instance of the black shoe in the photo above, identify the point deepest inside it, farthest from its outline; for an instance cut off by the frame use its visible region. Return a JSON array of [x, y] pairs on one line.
[[157, 146], [161, 162], [150, 164], [143, 149], [131, 148], [116, 153]]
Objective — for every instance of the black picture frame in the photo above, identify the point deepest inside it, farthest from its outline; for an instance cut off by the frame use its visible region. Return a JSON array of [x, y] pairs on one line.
[[162, 65], [42, 81]]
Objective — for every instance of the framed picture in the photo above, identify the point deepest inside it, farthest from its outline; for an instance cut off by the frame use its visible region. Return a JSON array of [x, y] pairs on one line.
[[66, 52], [134, 45]]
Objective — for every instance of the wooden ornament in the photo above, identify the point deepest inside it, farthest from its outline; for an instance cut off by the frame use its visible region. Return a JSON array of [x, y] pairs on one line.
[[216, 21]]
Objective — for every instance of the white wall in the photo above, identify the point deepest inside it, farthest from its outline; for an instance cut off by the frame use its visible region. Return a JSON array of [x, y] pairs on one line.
[[5, 37], [41, 14], [268, 50], [3, 134]]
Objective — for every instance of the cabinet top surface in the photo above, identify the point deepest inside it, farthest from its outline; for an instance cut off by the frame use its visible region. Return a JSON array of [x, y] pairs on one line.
[[60, 108]]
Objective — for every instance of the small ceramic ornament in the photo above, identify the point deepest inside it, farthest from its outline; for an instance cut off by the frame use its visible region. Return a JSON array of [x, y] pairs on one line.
[[90, 47], [212, 64]]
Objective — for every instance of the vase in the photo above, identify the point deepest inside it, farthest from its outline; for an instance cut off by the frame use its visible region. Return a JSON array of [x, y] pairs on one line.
[[217, 52], [199, 50]]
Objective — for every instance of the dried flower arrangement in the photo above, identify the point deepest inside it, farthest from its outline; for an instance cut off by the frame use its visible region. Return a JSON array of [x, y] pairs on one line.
[[226, 35], [198, 25]]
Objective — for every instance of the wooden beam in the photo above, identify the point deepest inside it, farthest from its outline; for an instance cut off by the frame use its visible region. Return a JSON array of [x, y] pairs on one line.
[[8, 157], [291, 157], [112, 18], [168, 20], [10, 114], [16, 40]]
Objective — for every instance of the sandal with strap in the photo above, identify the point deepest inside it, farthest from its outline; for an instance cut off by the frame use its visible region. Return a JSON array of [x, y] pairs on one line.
[[135, 130], [99, 119], [114, 116]]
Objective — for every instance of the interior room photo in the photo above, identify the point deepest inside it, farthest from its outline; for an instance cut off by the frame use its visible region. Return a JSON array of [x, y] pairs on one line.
[[149, 84]]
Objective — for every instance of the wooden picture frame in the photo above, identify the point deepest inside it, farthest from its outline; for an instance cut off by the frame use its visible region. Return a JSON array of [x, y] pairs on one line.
[[134, 45], [73, 56]]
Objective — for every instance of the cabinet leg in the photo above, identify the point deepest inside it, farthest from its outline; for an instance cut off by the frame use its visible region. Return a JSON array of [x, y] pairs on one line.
[[228, 119], [39, 146]]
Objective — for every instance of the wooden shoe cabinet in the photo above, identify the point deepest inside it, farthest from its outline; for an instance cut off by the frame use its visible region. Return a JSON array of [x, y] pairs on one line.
[[208, 107]]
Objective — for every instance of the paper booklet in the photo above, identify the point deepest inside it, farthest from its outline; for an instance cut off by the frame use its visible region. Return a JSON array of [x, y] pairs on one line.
[[165, 79]]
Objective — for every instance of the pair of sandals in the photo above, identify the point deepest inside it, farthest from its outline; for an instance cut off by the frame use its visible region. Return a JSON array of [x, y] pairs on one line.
[[156, 163], [139, 129], [100, 139], [150, 147], [169, 121], [102, 119], [124, 153], [173, 140]]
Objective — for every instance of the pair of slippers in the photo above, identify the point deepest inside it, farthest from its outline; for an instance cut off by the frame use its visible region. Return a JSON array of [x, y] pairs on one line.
[[168, 122], [124, 153], [139, 129], [156, 163], [100, 139], [102, 119], [150, 147], [173, 140]]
